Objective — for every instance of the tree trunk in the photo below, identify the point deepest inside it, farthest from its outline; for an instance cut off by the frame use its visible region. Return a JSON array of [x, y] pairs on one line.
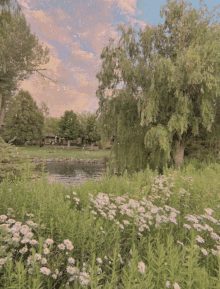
[[178, 155], [68, 143]]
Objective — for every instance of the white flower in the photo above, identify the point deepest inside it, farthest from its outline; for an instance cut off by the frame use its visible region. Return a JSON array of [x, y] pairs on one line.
[[209, 211], [168, 284], [67, 197], [200, 239], [30, 271], [37, 257], [141, 267], [99, 260], [74, 193], [61, 246], [49, 241], [54, 276], [71, 260], [187, 226], [45, 271], [44, 261], [176, 286], [23, 250], [72, 270], [46, 251], [205, 253], [33, 242]]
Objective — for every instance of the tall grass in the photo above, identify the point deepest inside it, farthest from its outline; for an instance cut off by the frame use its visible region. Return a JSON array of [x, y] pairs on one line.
[[139, 231]]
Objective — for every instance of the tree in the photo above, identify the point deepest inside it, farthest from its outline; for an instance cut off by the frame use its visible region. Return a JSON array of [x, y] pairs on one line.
[[69, 126], [172, 72], [51, 125], [24, 120], [20, 54], [88, 127]]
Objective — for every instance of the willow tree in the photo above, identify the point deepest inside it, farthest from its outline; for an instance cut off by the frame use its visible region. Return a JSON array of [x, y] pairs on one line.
[[172, 72]]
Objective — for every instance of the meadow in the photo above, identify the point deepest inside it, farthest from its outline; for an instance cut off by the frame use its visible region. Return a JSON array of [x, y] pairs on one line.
[[48, 152], [141, 231]]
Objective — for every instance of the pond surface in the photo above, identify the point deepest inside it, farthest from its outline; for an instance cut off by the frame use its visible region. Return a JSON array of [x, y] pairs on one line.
[[70, 173]]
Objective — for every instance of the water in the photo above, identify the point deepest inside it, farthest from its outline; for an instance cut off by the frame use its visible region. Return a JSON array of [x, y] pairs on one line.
[[72, 173]]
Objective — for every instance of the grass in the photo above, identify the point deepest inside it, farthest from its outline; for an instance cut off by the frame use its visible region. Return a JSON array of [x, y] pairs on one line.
[[142, 231], [45, 152]]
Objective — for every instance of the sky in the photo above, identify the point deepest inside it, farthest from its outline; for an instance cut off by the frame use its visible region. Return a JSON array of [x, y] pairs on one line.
[[76, 31]]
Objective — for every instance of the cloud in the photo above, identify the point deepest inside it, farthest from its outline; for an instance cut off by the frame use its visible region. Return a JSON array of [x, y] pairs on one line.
[[24, 3]]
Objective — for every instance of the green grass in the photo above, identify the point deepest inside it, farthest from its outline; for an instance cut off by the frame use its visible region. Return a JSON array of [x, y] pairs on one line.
[[128, 232], [44, 152]]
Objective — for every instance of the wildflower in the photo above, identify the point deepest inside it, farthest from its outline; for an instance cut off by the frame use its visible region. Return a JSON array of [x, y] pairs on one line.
[[99, 260], [215, 236], [54, 276], [3, 260], [214, 252], [71, 270], [141, 267], [126, 222], [3, 218], [196, 246], [74, 193], [61, 247], [49, 242], [16, 239], [29, 235], [30, 271], [30, 215], [99, 271], [46, 251], [25, 241], [84, 280], [23, 250], [106, 258], [209, 211], [45, 271], [205, 253], [168, 284], [56, 271], [44, 261], [180, 243], [37, 257], [200, 239], [33, 242], [67, 197], [93, 212], [71, 260], [31, 224], [11, 221], [176, 286], [69, 247]]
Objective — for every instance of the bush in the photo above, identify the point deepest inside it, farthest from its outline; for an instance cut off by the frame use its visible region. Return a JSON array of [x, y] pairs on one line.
[[12, 162]]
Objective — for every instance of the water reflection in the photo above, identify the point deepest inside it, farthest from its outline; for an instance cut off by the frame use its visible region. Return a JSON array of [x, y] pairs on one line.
[[73, 173]]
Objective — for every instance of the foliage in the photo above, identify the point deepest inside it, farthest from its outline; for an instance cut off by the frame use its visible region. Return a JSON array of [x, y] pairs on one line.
[[143, 231], [172, 72], [21, 53], [23, 118], [51, 125], [69, 125], [89, 128], [12, 162]]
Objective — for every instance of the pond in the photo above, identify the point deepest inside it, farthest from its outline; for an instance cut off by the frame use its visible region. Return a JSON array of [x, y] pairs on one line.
[[71, 173]]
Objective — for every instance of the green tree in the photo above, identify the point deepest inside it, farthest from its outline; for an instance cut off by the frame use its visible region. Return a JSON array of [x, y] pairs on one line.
[[20, 54], [24, 120], [88, 127], [51, 125], [69, 126], [172, 71]]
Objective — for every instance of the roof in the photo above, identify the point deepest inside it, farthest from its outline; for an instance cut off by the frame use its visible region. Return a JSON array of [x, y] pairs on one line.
[[48, 134]]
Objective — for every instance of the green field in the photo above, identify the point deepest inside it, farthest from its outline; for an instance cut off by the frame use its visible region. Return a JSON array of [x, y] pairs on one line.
[[145, 231], [44, 152]]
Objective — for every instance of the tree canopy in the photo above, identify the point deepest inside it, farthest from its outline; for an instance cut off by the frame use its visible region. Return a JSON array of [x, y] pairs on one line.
[[20, 54], [171, 74], [24, 120], [69, 125]]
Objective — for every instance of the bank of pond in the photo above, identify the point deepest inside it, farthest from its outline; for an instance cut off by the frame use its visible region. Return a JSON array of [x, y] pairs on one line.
[[141, 231]]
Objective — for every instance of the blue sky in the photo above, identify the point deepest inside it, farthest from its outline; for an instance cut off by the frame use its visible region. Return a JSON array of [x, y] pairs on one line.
[[76, 31]]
